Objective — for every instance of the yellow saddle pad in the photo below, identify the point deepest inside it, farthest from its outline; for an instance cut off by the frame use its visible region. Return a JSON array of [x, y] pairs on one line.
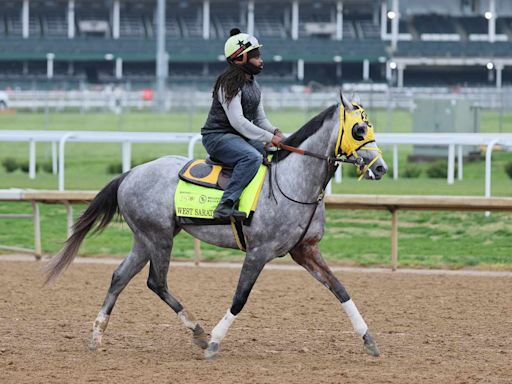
[[199, 201]]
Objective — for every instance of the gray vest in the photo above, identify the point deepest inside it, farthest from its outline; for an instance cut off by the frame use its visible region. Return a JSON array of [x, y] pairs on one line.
[[217, 121]]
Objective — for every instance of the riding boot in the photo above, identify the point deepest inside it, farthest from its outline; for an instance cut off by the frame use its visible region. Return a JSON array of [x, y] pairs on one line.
[[226, 210]]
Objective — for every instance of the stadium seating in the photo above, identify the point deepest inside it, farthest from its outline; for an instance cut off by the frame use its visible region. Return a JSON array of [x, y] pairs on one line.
[[268, 24], [224, 18], [3, 29], [474, 24], [14, 26], [54, 24], [172, 27], [453, 49], [195, 60], [132, 26], [366, 29], [434, 24], [93, 22], [192, 25], [504, 25]]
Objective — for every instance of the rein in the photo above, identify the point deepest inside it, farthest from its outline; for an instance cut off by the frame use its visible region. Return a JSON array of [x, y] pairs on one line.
[[332, 163], [329, 161]]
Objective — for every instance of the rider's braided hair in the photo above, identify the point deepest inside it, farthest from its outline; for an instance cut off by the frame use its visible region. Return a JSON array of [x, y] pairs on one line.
[[231, 80]]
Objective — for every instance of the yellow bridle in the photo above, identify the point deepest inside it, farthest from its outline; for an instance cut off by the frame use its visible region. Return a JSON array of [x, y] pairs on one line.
[[347, 145]]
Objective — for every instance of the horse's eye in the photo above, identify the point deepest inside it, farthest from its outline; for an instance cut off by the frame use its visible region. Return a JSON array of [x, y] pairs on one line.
[[359, 132]]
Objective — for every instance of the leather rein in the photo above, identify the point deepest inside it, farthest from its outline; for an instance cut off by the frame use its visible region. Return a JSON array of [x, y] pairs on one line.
[[332, 164]]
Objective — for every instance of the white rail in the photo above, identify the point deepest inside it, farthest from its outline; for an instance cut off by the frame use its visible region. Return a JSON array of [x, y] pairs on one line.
[[127, 139], [376, 95]]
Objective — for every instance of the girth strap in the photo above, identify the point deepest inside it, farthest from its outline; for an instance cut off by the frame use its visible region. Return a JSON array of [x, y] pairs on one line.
[[238, 232]]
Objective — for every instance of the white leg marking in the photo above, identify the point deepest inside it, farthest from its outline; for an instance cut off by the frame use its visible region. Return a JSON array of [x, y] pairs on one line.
[[187, 320], [221, 329], [355, 317], [99, 326]]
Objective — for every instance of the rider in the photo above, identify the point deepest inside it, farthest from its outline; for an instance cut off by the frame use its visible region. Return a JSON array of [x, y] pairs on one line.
[[237, 127]]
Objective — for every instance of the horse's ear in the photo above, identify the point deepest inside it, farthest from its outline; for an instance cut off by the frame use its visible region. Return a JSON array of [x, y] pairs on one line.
[[356, 99], [346, 104]]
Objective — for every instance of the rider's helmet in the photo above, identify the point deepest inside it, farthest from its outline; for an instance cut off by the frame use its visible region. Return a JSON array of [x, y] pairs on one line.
[[239, 45]]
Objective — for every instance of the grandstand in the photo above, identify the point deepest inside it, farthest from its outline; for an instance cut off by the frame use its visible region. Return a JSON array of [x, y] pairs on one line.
[[398, 42]]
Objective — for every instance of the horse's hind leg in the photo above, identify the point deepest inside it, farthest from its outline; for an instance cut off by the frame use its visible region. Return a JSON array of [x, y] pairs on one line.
[[130, 266], [308, 255], [157, 282]]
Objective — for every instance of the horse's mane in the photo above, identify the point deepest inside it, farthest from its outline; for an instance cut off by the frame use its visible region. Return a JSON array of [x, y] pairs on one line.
[[307, 130]]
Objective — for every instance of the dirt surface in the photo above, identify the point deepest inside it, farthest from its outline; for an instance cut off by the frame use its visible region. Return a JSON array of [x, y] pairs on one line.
[[430, 329]]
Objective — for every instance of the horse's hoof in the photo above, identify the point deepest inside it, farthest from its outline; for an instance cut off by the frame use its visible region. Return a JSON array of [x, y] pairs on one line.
[[370, 346], [212, 352], [201, 343], [94, 344], [200, 337]]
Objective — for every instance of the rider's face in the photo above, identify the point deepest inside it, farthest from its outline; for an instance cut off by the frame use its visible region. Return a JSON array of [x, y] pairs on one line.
[[257, 61]]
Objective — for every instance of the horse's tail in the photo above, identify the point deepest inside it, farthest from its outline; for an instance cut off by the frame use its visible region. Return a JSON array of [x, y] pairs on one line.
[[102, 208]]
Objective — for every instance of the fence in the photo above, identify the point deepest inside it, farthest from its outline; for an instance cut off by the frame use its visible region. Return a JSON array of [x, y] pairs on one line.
[[60, 138], [388, 202], [185, 98]]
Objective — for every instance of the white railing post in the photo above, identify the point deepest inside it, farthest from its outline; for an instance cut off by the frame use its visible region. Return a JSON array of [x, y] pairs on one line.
[[191, 145], [460, 163], [127, 156], [32, 159], [395, 162], [37, 230], [488, 158], [54, 158], [62, 145], [451, 164], [338, 175]]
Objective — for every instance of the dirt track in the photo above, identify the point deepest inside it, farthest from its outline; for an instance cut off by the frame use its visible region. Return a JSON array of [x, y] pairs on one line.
[[430, 329]]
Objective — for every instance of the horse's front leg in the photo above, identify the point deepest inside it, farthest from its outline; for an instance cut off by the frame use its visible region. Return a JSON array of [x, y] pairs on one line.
[[251, 269], [308, 255]]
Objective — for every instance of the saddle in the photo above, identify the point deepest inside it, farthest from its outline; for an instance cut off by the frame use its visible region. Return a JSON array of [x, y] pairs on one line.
[[208, 173], [200, 188]]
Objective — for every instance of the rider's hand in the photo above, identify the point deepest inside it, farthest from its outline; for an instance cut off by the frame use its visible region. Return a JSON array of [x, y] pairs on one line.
[[277, 132], [276, 140]]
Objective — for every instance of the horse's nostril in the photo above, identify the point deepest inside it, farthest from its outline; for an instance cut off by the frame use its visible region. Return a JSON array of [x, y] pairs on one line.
[[380, 170]]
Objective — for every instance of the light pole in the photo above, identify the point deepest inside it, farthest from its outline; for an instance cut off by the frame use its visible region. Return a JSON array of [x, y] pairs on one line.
[[161, 57]]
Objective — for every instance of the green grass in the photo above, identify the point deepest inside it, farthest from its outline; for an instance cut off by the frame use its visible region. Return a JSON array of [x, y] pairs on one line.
[[428, 239]]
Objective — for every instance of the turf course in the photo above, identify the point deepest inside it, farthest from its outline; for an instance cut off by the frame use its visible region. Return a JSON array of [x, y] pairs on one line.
[[352, 237]]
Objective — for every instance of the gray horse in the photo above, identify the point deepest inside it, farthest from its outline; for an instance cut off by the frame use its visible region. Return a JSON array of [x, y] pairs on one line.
[[289, 219]]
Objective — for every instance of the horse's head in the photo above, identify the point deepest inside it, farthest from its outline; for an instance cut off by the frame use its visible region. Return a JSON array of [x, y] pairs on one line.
[[356, 141]]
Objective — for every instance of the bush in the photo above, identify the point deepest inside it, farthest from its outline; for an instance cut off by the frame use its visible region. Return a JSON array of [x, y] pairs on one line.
[[439, 170], [411, 172], [25, 167], [508, 169], [115, 169], [350, 170], [48, 167], [10, 164]]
